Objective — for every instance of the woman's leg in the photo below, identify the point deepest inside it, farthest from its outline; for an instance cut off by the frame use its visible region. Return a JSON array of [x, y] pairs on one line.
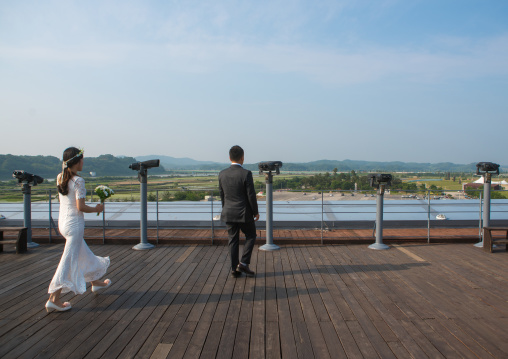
[[100, 283], [55, 298]]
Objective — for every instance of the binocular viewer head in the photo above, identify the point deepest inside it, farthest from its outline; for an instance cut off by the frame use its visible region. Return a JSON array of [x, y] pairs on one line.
[[270, 166], [136, 166], [31, 179], [487, 167], [377, 179]]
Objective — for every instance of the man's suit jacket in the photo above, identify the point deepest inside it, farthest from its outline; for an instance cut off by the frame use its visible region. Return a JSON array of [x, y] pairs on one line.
[[238, 196]]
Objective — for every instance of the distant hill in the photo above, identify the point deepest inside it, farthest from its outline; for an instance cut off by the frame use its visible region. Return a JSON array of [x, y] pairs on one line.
[[49, 166], [370, 166], [109, 165]]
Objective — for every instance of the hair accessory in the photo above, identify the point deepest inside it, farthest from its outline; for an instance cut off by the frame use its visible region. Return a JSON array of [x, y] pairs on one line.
[[80, 153]]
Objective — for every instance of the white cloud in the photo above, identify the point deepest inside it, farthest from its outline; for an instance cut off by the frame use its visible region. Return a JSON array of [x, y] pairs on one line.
[[209, 36], [327, 65]]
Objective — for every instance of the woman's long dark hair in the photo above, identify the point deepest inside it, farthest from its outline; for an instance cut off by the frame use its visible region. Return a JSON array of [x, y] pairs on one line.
[[70, 156]]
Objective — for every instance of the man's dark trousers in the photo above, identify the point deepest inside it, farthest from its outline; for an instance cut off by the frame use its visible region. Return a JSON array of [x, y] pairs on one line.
[[249, 229]]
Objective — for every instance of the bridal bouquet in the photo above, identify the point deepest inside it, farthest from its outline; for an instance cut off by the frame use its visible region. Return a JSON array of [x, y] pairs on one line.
[[103, 192]]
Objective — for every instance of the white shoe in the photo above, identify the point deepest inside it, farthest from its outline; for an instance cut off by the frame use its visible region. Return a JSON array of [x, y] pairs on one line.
[[50, 306], [97, 289]]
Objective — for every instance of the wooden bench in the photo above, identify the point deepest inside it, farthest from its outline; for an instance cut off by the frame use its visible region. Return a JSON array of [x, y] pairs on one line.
[[20, 242], [489, 241]]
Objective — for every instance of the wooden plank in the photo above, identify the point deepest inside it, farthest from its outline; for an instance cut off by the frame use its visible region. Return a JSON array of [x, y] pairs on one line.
[[409, 253], [273, 346], [451, 340], [186, 254], [287, 340], [161, 351], [257, 331], [302, 339], [332, 340], [241, 344], [212, 340], [227, 340]]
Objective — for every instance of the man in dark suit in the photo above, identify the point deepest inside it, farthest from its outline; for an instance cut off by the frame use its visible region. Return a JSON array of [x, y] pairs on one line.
[[239, 210]]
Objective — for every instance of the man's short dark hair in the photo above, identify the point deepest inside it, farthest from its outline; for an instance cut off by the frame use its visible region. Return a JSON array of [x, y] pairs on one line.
[[235, 153]]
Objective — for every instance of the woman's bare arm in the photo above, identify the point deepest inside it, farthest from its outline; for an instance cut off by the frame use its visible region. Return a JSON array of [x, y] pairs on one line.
[[87, 209]]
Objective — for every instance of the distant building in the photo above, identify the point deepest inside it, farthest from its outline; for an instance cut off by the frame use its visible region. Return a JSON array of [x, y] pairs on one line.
[[93, 174], [474, 185], [495, 185]]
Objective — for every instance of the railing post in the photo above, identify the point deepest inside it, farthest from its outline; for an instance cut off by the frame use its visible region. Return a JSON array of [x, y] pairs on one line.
[[104, 225], [211, 211], [157, 212], [50, 224], [428, 216], [480, 225], [322, 215]]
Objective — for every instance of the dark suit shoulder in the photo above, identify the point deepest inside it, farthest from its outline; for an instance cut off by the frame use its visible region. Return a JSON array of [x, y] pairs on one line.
[[234, 169]]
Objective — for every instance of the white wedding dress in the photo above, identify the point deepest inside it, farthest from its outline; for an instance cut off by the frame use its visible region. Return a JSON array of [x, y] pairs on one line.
[[78, 264]]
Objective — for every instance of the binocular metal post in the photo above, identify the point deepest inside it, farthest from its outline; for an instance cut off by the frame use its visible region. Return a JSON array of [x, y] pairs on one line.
[[144, 213], [27, 210], [379, 220], [267, 168], [379, 181], [486, 169], [269, 246], [486, 205], [27, 180], [142, 168]]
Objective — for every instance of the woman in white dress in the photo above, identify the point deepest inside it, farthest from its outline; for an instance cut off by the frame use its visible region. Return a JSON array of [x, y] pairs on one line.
[[78, 264]]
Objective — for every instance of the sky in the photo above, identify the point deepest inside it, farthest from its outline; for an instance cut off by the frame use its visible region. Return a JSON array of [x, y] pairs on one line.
[[295, 81]]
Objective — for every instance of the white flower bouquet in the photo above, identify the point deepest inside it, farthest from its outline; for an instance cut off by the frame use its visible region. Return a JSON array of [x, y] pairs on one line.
[[103, 192]]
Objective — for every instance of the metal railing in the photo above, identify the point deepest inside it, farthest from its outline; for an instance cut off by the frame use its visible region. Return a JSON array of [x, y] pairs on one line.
[[320, 214]]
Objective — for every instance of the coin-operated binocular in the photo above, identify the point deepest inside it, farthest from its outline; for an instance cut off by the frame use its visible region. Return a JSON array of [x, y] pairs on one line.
[[483, 168], [28, 178], [142, 168], [27, 181], [271, 166], [379, 181], [486, 169], [267, 168]]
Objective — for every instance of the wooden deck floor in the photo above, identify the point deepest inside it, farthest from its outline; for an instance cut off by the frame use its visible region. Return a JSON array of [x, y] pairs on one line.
[[307, 301]]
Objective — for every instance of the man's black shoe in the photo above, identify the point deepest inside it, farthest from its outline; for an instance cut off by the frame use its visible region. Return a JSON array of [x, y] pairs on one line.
[[245, 269], [235, 274]]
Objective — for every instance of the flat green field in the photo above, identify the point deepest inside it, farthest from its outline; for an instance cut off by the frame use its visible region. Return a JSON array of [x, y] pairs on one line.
[[127, 188]]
